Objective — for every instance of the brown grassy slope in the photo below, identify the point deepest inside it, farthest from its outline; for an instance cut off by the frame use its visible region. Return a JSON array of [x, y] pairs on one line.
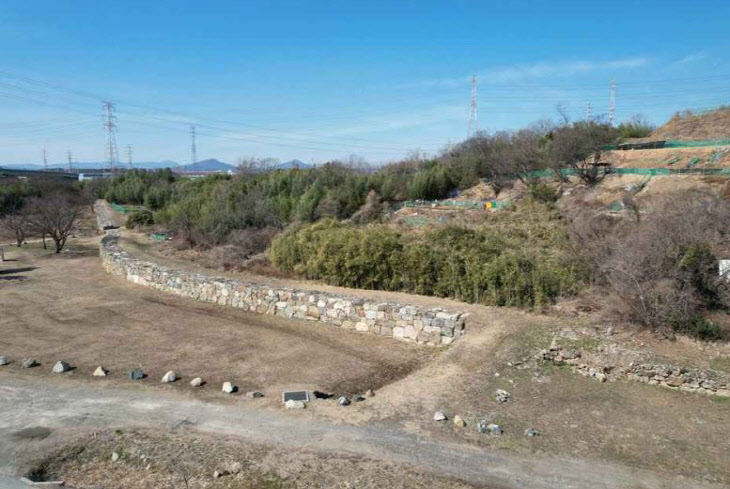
[[689, 126]]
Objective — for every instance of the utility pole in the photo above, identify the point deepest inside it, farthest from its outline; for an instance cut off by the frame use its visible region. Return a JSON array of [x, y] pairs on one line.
[[193, 149], [70, 158], [129, 156], [45, 159], [612, 103], [473, 118], [588, 112], [110, 125]]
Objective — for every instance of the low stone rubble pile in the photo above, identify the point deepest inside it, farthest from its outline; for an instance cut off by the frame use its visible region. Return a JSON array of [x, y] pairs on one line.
[[708, 382]]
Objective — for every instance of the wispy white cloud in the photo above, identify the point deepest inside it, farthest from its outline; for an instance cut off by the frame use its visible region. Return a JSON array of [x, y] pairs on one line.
[[542, 69], [691, 58]]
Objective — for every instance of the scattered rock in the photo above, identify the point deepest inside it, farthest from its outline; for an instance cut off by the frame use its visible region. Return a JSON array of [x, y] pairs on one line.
[[502, 395], [358, 398], [4, 361], [484, 426], [458, 422], [29, 363], [229, 388], [197, 382], [169, 377], [531, 432], [343, 401], [219, 473], [254, 394], [291, 404], [234, 468], [601, 377], [115, 456], [439, 416], [61, 367], [137, 374], [100, 372]]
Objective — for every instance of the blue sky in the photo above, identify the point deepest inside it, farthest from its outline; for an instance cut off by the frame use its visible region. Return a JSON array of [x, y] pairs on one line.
[[324, 80]]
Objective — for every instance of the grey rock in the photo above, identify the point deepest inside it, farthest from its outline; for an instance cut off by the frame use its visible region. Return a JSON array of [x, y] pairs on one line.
[[358, 398], [531, 432], [169, 377], [495, 429], [4, 361], [369, 393], [439, 416], [502, 395], [61, 367], [459, 422], [343, 401], [254, 394], [291, 404], [196, 382], [137, 374], [29, 363]]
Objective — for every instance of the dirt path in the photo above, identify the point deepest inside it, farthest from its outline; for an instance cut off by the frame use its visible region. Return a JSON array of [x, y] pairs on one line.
[[26, 404]]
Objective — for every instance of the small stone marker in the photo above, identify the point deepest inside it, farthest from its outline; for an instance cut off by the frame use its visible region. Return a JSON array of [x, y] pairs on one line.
[[100, 372], [494, 429], [254, 394], [4, 361], [291, 404], [458, 422], [294, 396], [228, 388], [61, 367], [343, 401], [502, 395], [196, 382], [137, 374], [29, 363], [169, 377], [531, 432], [115, 456], [439, 416]]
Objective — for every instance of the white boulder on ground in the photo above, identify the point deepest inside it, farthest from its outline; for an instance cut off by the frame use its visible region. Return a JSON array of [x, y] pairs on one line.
[[100, 372], [196, 382], [439, 416], [169, 377], [4, 360], [61, 367], [458, 422], [292, 404], [502, 395], [228, 388]]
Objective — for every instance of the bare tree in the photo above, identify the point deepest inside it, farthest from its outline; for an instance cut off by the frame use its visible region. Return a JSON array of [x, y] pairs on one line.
[[18, 223], [56, 216]]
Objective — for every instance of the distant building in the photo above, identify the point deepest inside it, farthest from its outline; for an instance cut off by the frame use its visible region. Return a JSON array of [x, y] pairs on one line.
[[94, 175]]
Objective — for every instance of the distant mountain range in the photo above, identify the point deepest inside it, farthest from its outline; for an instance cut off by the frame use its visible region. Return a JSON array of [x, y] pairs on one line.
[[292, 164], [206, 165], [90, 165], [211, 164]]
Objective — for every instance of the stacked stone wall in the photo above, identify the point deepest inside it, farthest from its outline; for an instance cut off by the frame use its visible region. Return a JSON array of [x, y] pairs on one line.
[[429, 326]]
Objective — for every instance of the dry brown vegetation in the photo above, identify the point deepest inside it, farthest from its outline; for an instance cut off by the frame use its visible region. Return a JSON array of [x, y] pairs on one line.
[[714, 124]]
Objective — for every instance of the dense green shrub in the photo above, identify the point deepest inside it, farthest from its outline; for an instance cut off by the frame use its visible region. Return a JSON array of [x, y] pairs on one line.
[[527, 266], [140, 218]]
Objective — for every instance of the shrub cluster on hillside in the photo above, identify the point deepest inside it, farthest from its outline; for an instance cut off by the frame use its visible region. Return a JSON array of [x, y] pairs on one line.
[[520, 259]]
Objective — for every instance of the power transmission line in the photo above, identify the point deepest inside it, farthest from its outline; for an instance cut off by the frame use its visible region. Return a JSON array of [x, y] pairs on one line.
[[110, 124], [193, 149], [612, 102], [473, 117], [70, 158], [45, 159], [129, 156]]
